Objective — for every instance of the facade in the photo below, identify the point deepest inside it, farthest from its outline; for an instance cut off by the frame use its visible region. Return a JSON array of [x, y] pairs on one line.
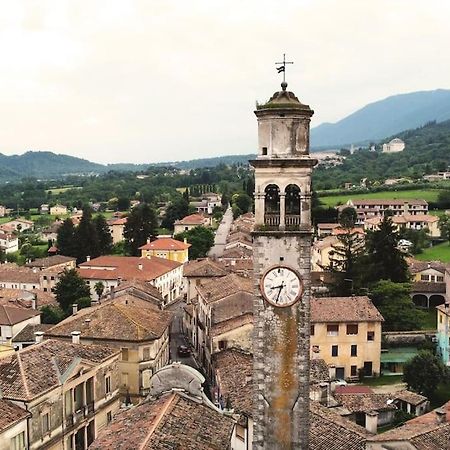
[[2, 211], [191, 221], [282, 239], [58, 210], [168, 248], [410, 222], [13, 426], [17, 225], [116, 228], [208, 202], [165, 275], [56, 262], [27, 278], [9, 243], [443, 336], [369, 208], [223, 316], [70, 390], [394, 146], [13, 320], [346, 333], [131, 325]]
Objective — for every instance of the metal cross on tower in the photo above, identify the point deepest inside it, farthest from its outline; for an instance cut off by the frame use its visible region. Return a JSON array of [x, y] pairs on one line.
[[282, 68]]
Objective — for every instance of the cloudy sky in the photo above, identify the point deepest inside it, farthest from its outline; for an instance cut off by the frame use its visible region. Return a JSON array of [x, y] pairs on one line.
[[150, 80]]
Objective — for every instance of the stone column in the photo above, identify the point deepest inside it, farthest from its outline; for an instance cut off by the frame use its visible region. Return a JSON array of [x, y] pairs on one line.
[[282, 210], [305, 210], [259, 208]]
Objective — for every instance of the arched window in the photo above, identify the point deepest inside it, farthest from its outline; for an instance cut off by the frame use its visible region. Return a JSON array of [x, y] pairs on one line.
[[272, 205], [292, 200]]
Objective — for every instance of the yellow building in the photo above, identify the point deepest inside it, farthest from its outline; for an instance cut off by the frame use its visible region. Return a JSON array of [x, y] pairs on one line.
[[58, 210], [167, 248], [346, 333]]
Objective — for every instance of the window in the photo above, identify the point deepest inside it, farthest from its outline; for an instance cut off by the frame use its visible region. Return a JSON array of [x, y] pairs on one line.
[[439, 279], [352, 329], [108, 416], [353, 371], [124, 379], [334, 350], [124, 354], [146, 353], [107, 384], [371, 335], [264, 150], [45, 420], [222, 345], [18, 442], [312, 330], [332, 330], [432, 278], [354, 350]]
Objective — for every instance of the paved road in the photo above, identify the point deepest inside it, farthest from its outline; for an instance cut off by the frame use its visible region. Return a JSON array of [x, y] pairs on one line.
[[221, 234], [176, 336]]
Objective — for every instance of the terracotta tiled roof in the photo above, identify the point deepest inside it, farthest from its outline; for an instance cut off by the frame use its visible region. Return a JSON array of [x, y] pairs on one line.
[[11, 414], [203, 268], [50, 261], [115, 320], [27, 333], [421, 436], [22, 298], [231, 324], [119, 221], [135, 287], [193, 219], [234, 377], [36, 369], [10, 315], [432, 417], [232, 283], [428, 286], [330, 431], [237, 252], [410, 397], [165, 243], [344, 309], [126, 267], [15, 274], [353, 389], [416, 266], [173, 421], [327, 226], [366, 402], [239, 236]]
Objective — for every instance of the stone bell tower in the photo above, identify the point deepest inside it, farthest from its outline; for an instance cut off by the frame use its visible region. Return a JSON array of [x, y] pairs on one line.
[[282, 258]]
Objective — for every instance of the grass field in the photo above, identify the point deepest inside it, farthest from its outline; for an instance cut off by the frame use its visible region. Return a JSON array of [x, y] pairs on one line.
[[56, 191], [428, 195], [440, 252]]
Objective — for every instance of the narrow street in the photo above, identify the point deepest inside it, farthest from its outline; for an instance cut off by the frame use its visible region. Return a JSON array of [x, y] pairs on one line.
[[221, 234]]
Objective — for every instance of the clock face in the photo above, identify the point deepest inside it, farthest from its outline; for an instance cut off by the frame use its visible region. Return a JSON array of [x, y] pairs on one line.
[[281, 286]]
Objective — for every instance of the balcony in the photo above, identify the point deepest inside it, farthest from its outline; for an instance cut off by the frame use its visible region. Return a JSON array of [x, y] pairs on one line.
[[272, 222]]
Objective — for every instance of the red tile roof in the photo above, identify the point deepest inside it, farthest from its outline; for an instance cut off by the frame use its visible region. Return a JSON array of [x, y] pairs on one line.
[[353, 389], [165, 243], [126, 267], [11, 414], [193, 219], [10, 315]]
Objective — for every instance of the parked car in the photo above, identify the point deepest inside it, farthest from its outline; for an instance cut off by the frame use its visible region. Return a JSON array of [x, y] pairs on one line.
[[183, 351]]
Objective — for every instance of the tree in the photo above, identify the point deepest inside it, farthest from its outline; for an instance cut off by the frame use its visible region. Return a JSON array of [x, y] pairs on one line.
[[140, 226], [444, 227], [86, 237], [225, 200], [345, 254], [123, 204], [105, 241], [395, 305], [384, 261], [51, 314], [242, 201], [201, 240], [66, 239], [424, 372], [176, 210], [99, 288], [70, 289]]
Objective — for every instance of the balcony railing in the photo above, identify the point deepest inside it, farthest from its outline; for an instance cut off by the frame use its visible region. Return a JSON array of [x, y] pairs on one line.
[[272, 220], [291, 221]]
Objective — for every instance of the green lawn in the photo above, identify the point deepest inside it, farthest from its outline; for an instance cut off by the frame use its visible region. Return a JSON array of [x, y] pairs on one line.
[[440, 252], [383, 380], [425, 194], [56, 191]]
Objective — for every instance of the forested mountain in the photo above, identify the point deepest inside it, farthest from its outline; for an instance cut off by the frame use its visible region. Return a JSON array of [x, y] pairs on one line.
[[384, 118], [427, 151]]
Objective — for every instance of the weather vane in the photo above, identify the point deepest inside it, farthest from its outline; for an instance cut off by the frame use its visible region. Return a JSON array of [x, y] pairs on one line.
[[282, 68]]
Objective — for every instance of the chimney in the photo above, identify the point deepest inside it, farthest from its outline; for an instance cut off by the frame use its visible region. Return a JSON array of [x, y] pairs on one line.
[[75, 337], [185, 240], [74, 308], [33, 302], [88, 258], [441, 415], [148, 240], [87, 322], [140, 266], [372, 422], [38, 336], [35, 269]]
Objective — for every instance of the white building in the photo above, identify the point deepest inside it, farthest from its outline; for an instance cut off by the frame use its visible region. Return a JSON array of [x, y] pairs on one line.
[[13, 320], [9, 243], [394, 146]]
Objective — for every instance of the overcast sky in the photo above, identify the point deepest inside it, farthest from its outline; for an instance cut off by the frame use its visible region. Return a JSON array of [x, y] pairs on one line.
[[147, 80]]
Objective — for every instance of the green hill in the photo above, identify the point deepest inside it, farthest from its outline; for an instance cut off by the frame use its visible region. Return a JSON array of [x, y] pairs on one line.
[[427, 151]]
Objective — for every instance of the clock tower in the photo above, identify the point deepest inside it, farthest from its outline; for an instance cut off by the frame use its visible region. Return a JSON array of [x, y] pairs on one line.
[[282, 258]]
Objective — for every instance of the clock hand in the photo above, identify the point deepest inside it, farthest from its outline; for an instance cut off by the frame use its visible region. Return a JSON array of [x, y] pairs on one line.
[[279, 291], [277, 287]]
